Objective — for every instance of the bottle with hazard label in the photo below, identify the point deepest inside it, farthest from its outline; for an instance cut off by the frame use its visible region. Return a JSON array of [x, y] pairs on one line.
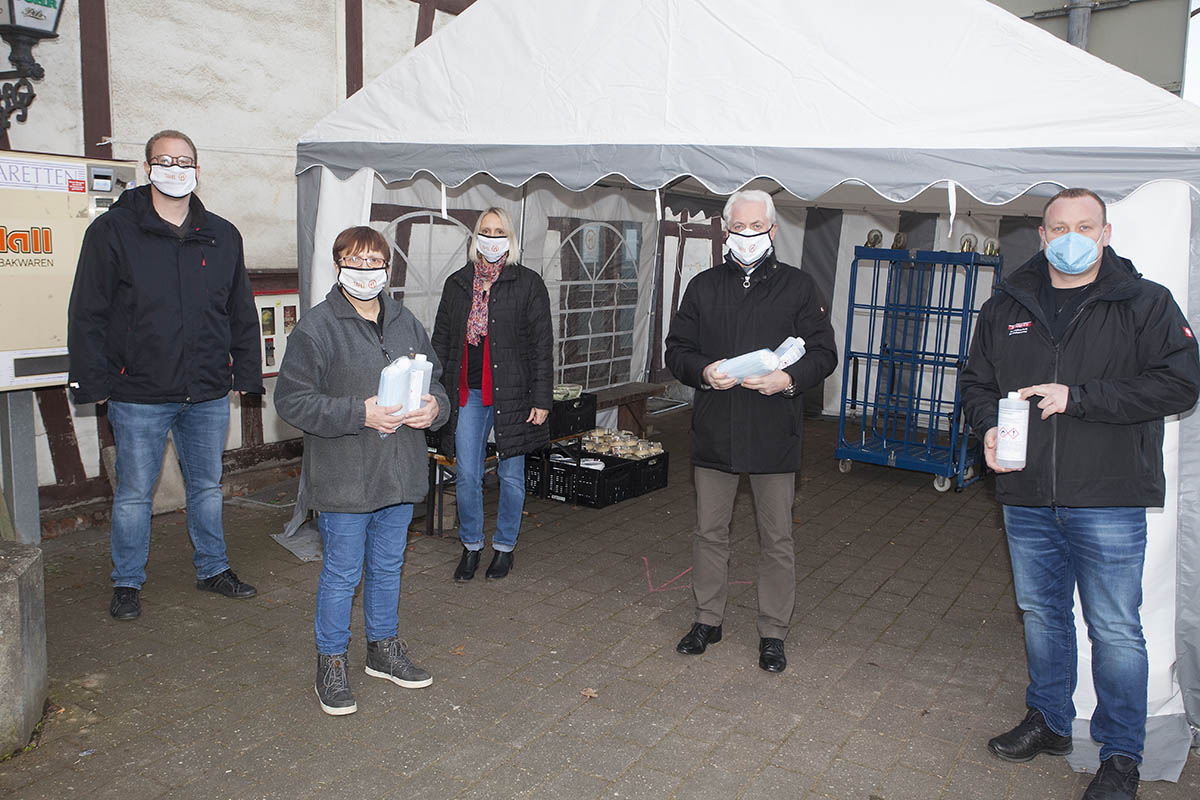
[[1012, 431]]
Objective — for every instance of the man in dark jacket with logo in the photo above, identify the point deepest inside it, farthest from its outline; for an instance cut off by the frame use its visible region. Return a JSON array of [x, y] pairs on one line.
[[1109, 354], [750, 301], [162, 326]]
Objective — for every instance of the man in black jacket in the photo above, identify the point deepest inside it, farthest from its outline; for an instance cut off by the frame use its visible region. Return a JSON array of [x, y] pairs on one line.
[[162, 326], [749, 302], [1109, 354]]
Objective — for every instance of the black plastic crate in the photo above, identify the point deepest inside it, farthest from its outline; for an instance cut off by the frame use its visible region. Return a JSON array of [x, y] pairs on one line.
[[573, 416], [650, 474], [535, 474], [598, 488], [569, 482]]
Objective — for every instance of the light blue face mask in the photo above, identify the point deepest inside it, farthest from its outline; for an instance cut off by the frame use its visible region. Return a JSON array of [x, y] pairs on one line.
[[1072, 253]]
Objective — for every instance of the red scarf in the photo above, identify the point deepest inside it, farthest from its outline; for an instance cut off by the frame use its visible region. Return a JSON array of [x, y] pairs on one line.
[[477, 320]]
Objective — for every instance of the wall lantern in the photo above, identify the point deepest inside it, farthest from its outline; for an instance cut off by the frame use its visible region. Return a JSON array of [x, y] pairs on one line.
[[23, 23]]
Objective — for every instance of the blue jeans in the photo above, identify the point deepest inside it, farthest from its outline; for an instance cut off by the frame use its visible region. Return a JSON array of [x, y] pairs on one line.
[[1102, 550], [140, 430], [378, 538], [470, 447]]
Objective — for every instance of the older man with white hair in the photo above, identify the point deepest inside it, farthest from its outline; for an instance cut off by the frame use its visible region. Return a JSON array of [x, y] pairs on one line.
[[750, 301]]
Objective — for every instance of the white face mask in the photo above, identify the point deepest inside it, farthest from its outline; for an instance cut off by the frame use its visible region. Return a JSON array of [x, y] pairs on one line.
[[364, 284], [492, 248], [173, 181], [749, 248]]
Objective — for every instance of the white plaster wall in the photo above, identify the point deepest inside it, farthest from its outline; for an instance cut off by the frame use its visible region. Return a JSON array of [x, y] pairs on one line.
[[55, 124], [389, 29], [244, 82]]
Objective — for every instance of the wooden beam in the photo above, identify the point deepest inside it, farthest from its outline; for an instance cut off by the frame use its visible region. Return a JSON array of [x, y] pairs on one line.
[[60, 435], [93, 66], [428, 13], [354, 46]]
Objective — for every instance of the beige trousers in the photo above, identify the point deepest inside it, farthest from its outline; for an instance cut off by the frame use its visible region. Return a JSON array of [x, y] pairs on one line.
[[773, 497]]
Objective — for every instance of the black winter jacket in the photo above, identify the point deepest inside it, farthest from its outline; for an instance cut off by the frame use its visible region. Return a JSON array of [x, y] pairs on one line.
[[156, 318], [738, 429], [521, 344], [1128, 357]]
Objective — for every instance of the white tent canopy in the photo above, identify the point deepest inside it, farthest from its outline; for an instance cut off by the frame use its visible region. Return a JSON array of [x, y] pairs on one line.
[[896, 95], [899, 97]]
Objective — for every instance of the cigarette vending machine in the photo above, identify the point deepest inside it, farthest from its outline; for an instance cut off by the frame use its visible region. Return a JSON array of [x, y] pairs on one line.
[[46, 204]]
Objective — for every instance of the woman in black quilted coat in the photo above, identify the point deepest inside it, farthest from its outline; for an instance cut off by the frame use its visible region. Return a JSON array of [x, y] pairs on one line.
[[494, 338]]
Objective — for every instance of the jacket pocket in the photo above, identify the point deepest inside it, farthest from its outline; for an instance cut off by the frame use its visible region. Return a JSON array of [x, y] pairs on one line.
[[337, 471]]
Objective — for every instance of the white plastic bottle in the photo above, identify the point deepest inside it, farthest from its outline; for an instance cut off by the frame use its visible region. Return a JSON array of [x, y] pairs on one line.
[[1012, 431], [420, 376], [393, 383], [750, 365]]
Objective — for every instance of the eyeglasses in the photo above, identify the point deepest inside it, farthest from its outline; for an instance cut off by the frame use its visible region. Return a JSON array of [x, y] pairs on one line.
[[173, 161], [356, 262]]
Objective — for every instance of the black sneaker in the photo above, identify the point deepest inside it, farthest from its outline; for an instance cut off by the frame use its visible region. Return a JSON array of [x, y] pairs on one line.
[[1116, 780], [227, 583], [125, 603], [1031, 737], [333, 686], [388, 658]]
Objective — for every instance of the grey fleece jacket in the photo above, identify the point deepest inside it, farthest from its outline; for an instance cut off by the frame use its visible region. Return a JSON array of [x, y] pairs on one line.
[[330, 368]]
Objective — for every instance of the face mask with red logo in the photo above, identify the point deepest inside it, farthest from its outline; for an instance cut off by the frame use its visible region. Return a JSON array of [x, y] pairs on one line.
[[364, 284]]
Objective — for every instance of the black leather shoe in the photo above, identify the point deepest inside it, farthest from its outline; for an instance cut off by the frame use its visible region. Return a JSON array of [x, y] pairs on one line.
[[770, 655], [467, 565], [1031, 737], [227, 583], [698, 639], [501, 564], [125, 603], [1116, 780]]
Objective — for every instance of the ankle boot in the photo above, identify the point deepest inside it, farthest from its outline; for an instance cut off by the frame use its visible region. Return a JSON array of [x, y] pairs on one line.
[[467, 565], [501, 564]]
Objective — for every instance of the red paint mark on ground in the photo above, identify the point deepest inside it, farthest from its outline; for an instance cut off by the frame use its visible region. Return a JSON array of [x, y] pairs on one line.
[[666, 587]]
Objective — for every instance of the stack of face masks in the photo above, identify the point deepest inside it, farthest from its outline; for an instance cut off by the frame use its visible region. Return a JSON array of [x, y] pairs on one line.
[[762, 362]]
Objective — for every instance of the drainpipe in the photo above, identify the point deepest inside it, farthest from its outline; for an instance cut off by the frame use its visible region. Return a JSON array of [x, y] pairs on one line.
[[1078, 17]]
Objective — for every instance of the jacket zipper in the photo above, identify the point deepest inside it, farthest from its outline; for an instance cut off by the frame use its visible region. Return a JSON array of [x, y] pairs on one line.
[[1054, 437], [1054, 418]]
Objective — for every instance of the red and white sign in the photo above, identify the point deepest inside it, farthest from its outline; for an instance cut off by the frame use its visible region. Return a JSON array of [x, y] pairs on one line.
[[42, 176]]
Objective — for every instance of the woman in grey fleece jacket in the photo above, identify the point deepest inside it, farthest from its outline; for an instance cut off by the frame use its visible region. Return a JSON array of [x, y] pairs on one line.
[[362, 483]]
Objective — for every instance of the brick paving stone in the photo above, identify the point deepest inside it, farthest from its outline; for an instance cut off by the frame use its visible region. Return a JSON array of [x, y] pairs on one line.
[[930, 755], [805, 753], [643, 784], [571, 783], [905, 657], [774, 783], [675, 755], [742, 754], [847, 779], [711, 783], [870, 749], [903, 783], [971, 781]]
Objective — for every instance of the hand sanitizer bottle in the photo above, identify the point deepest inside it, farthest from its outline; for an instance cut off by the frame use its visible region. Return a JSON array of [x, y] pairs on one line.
[[420, 376], [393, 384], [1012, 431]]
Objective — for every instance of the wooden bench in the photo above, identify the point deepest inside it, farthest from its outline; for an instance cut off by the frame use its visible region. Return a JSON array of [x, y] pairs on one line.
[[441, 468], [630, 402]]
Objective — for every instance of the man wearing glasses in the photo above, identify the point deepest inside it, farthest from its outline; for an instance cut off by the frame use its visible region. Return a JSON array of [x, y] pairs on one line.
[[750, 301], [161, 327]]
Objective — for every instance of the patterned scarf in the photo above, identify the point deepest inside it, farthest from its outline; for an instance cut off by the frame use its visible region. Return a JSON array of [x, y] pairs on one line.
[[477, 320]]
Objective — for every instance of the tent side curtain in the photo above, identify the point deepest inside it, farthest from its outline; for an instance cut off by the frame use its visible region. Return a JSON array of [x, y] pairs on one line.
[[990, 175], [595, 250]]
